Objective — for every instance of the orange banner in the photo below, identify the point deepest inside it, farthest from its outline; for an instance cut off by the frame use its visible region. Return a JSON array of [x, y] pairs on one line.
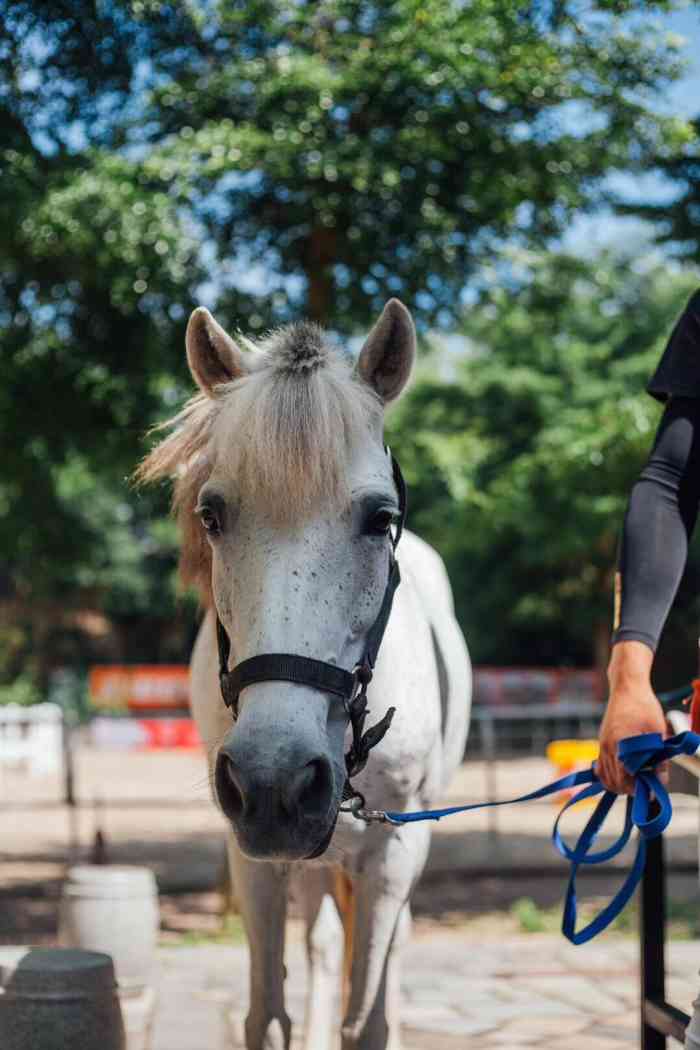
[[143, 687]]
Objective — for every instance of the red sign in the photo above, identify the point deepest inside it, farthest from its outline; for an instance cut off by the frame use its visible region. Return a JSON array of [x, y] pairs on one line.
[[162, 733], [144, 734]]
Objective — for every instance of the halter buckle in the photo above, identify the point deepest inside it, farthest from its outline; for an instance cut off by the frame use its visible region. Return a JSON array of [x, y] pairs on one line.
[[362, 673]]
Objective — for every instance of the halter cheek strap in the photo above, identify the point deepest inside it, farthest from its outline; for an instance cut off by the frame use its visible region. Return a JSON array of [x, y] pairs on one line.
[[348, 686]]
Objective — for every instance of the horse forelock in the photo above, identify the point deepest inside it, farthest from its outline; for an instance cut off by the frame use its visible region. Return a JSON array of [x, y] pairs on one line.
[[284, 434], [297, 348]]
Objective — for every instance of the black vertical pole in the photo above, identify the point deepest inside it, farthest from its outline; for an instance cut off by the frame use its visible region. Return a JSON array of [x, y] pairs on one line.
[[652, 927], [69, 798], [68, 767]]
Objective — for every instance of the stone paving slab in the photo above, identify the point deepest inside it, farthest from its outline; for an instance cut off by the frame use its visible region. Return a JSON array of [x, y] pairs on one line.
[[532, 992]]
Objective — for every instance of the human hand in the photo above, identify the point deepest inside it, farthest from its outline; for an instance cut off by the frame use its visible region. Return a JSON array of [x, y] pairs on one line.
[[633, 708]]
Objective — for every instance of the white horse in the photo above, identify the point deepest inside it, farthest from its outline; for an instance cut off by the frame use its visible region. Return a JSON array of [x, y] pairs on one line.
[[285, 496]]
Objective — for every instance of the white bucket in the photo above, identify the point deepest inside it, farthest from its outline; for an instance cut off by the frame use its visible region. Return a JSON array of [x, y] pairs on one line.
[[55, 998], [113, 909]]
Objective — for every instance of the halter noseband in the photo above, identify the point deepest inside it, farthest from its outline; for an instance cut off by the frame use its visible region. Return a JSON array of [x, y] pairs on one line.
[[349, 686]]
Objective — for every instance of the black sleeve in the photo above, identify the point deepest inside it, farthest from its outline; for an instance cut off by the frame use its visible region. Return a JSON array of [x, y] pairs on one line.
[[659, 522], [678, 371]]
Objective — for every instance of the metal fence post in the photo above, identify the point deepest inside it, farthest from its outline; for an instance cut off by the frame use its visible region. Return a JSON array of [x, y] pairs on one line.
[[659, 1019], [489, 745], [652, 924], [68, 766]]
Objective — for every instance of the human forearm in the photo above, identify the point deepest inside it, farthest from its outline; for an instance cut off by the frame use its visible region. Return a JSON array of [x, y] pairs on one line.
[[660, 519], [630, 665]]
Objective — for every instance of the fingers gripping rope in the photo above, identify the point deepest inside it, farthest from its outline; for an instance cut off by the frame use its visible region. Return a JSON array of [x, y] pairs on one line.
[[649, 810]]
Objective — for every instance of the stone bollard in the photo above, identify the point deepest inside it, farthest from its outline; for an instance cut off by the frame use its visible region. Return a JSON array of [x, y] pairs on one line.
[[55, 998], [114, 909]]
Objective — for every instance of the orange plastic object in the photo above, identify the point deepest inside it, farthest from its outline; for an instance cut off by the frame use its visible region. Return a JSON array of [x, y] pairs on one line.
[[568, 756], [695, 707]]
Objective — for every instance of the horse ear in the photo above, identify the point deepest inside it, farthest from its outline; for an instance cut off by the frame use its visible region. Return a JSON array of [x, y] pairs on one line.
[[212, 355], [387, 357]]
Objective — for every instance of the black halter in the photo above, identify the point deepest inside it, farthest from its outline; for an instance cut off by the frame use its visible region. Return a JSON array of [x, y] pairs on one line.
[[349, 686]]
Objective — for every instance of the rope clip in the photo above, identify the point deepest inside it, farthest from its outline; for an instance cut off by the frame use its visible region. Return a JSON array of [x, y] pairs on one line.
[[355, 806]]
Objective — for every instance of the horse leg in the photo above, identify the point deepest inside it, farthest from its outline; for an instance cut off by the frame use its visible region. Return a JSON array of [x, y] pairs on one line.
[[344, 896], [402, 936], [261, 889], [324, 943], [382, 888]]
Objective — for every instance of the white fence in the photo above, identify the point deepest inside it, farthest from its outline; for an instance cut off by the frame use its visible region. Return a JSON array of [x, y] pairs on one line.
[[31, 737]]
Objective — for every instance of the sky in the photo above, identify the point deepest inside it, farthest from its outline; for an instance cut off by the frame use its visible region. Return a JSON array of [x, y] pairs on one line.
[[590, 233], [685, 95]]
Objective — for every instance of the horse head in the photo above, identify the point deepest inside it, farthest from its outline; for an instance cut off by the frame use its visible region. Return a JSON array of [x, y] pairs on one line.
[[287, 498]]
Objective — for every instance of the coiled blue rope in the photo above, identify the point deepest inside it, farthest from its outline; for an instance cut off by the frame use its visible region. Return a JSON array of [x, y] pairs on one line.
[[640, 756]]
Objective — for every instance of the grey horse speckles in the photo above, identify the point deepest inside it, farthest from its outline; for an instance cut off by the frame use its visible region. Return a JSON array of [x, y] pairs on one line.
[[282, 459]]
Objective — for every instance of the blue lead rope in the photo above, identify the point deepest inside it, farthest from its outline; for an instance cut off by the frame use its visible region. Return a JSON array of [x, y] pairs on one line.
[[640, 755]]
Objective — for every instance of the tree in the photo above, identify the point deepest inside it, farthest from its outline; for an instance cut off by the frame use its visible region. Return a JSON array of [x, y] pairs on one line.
[[356, 149], [520, 467], [342, 151], [93, 261]]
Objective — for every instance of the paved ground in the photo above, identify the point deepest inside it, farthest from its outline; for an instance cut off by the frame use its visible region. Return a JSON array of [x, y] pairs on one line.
[[471, 981], [529, 992]]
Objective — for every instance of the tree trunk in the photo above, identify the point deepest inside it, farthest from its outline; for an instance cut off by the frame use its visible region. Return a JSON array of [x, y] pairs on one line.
[[320, 255], [319, 296]]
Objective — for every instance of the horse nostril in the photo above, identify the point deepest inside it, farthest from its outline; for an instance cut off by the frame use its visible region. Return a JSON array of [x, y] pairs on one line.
[[309, 789], [228, 787]]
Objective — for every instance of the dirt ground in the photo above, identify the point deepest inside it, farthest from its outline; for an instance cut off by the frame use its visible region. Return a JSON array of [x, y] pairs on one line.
[[486, 967], [494, 871]]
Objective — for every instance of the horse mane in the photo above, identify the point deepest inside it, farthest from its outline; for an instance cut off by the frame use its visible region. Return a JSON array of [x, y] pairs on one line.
[[283, 433]]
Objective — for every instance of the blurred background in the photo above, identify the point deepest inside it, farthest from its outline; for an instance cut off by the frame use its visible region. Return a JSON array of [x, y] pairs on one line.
[[524, 176]]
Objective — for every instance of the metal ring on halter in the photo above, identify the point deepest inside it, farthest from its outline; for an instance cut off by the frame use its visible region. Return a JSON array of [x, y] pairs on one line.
[[354, 804], [362, 673]]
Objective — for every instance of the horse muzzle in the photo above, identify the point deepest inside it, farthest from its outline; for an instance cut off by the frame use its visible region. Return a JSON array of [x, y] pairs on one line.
[[283, 810]]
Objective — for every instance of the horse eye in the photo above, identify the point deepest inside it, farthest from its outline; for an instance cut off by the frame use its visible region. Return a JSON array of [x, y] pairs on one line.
[[381, 522], [210, 521]]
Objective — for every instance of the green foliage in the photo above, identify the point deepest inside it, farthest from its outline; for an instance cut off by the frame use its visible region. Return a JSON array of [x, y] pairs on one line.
[[230, 931], [365, 149], [521, 464], [678, 220], [22, 691], [683, 923], [528, 915], [94, 259], [282, 158]]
